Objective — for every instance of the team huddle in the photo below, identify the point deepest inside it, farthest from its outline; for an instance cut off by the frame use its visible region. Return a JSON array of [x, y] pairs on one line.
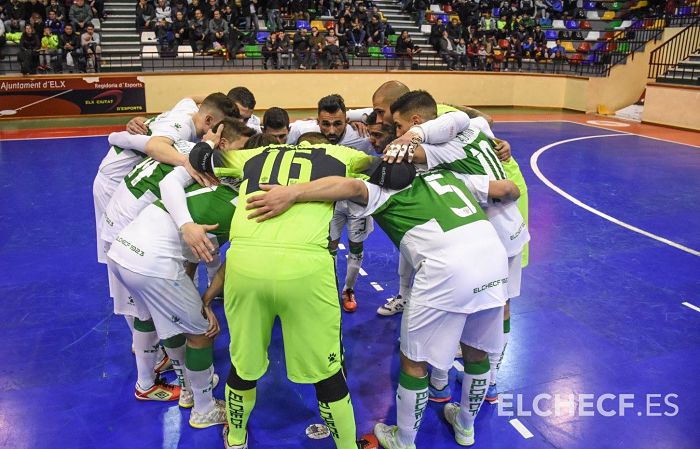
[[174, 189]]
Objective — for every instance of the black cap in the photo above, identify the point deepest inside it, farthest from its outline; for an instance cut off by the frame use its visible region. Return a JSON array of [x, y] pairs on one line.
[[393, 176]]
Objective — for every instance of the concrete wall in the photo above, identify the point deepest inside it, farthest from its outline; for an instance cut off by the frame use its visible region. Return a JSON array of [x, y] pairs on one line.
[[672, 105]]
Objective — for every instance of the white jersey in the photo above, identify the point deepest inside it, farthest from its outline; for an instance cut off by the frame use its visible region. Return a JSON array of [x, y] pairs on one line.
[[254, 123], [138, 189], [436, 222], [471, 152], [351, 138]]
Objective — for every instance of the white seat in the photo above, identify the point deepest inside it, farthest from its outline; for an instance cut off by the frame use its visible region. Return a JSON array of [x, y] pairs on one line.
[[435, 8], [551, 44], [593, 36], [425, 29], [558, 24], [150, 51], [624, 25], [148, 37], [592, 15], [184, 51]]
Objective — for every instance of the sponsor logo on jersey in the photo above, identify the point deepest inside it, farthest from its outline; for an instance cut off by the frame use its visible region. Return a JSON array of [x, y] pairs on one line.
[[491, 284], [518, 232], [332, 358], [134, 248], [468, 136], [235, 410]]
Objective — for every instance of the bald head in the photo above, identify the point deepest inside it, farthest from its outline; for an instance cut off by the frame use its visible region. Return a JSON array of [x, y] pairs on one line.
[[384, 96]]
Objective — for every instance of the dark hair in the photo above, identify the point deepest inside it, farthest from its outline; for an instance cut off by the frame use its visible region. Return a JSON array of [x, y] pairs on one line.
[[313, 138], [260, 140], [372, 118], [233, 129], [331, 104], [243, 96], [220, 102], [275, 118], [416, 102]]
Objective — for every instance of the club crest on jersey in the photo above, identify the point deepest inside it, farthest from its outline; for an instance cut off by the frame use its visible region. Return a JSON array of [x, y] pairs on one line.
[[175, 319], [468, 136], [177, 125], [332, 358]]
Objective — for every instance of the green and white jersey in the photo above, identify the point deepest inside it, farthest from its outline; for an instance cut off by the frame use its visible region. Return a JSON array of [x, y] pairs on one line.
[[139, 188], [305, 224], [440, 228], [152, 244], [472, 153]]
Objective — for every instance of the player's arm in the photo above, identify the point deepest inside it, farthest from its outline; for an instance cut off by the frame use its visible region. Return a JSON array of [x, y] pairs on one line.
[[126, 139], [504, 190], [214, 290], [172, 191], [137, 125], [279, 199]]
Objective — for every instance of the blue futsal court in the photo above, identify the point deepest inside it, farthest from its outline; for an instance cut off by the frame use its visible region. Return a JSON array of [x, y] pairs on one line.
[[601, 311]]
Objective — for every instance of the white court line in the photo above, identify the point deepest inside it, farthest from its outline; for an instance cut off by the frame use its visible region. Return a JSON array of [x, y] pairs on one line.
[[631, 134], [520, 427], [548, 183], [363, 272], [341, 247], [691, 306], [376, 286], [51, 138], [458, 365]]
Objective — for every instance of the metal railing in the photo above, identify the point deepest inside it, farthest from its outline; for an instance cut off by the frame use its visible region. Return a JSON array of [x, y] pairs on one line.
[[675, 50]]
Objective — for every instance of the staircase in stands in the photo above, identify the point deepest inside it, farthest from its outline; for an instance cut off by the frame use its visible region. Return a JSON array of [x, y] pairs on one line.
[[403, 21], [121, 46]]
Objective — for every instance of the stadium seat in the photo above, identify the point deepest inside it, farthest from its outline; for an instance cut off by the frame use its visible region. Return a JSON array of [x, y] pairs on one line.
[[614, 24], [615, 6], [659, 24], [584, 47], [389, 52], [330, 24], [425, 29], [184, 51], [571, 24], [590, 59], [592, 36], [608, 35], [592, 15], [590, 6], [551, 44], [435, 8], [545, 23], [375, 52], [444, 18], [556, 5], [611, 46], [302, 24], [454, 16], [624, 25], [504, 44], [496, 12], [637, 25], [568, 46], [447, 8], [261, 36], [558, 24], [585, 25], [318, 24], [393, 38], [551, 34], [252, 51], [575, 59], [608, 15], [623, 47], [149, 51], [148, 37]]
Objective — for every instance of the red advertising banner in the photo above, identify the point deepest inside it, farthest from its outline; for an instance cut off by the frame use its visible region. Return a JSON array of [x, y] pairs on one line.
[[58, 97]]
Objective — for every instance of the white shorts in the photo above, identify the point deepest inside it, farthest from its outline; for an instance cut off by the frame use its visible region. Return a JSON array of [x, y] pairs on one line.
[[175, 306], [358, 228], [430, 335], [515, 273], [103, 188], [124, 302]]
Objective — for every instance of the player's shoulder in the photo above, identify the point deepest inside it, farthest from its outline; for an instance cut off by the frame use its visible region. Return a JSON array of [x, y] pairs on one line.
[[305, 126]]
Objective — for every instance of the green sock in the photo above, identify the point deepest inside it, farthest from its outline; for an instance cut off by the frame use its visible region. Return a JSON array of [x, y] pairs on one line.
[[339, 416], [239, 404], [200, 373]]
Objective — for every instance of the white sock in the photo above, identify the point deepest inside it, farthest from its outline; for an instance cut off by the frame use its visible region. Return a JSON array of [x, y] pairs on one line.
[[474, 386], [496, 358], [439, 378], [147, 351], [354, 265], [177, 356], [411, 401], [130, 322], [212, 268], [202, 386], [405, 276]]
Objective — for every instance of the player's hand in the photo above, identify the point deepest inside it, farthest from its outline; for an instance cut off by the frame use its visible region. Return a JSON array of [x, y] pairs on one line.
[[502, 150], [361, 128], [137, 125], [274, 202], [205, 179], [214, 328], [402, 147], [214, 136], [195, 235]]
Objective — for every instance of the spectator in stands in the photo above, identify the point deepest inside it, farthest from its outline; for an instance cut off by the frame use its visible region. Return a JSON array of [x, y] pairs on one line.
[[539, 36], [269, 51], [229, 14], [274, 18], [163, 12], [376, 12], [455, 29], [503, 26], [37, 23], [488, 24], [29, 46], [284, 49], [299, 9], [98, 8], [53, 23], [235, 41], [356, 37], [179, 6], [323, 8], [375, 31], [48, 50], [14, 17], [558, 52], [32, 7], [406, 49], [343, 26], [420, 7], [275, 123], [3, 39], [145, 15], [461, 53], [529, 48], [167, 44], [316, 43], [208, 7], [58, 9], [69, 43], [436, 34], [249, 11], [514, 53], [302, 48], [473, 54], [334, 54], [218, 31], [194, 6], [447, 51], [361, 15], [90, 41], [181, 28], [198, 32], [80, 15], [489, 47]]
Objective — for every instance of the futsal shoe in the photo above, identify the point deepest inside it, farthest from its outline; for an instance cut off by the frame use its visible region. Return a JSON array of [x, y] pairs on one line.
[[368, 441], [436, 395], [160, 391], [349, 302], [463, 437], [215, 416], [393, 306], [235, 446], [387, 437], [187, 397], [164, 365], [492, 394]]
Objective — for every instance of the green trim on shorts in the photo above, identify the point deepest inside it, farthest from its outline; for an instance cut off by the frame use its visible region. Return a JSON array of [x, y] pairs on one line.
[[199, 359], [144, 326], [506, 326], [175, 341], [478, 368], [413, 383]]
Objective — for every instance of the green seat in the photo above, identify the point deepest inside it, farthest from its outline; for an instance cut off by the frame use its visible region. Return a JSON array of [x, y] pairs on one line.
[[616, 6], [623, 47], [375, 52], [393, 38], [252, 51], [615, 24]]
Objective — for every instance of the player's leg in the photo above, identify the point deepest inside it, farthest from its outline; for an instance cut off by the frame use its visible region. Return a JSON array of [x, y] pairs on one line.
[[482, 334], [398, 302], [199, 371], [358, 231]]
